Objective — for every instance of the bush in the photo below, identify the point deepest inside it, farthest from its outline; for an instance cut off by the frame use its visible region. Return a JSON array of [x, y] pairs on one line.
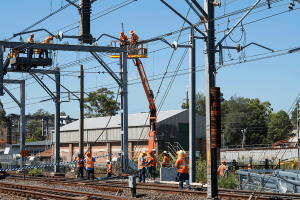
[[201, 170], [230, 182], [35, 172]]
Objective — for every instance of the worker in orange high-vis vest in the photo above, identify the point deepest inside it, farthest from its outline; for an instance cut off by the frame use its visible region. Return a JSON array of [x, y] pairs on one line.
[[222, 168], [124, 38], [79, 162], [183, 170], [30, 40], [152, 162], [142, 164], [46, 41], [133, 42], [166, 161], [109, 169], [89, 166]]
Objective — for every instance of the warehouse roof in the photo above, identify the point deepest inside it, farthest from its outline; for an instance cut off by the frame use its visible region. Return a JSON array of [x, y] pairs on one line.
[[133, 120]]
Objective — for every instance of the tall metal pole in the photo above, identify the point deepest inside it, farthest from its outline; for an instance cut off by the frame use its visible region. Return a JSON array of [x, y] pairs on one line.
[[22, 118], [42, 127], [124, 111], [298, 128], [57, 121], [1, 70], [192, 109], [212, 179], [47, 127], [85, 15], [9, 131], [81, 110]]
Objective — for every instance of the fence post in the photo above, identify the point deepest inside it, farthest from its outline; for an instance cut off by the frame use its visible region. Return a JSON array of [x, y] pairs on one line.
[[240, 181], [249, 181]]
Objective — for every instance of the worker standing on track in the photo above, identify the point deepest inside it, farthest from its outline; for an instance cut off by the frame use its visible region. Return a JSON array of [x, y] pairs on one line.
[[123, 37], [166, 161], [142, 163], [151, 164], [109, 169], [89, 166], [133, 41], [30, 40], [79, 166], [46, 41], [222, 169], [183, 170]]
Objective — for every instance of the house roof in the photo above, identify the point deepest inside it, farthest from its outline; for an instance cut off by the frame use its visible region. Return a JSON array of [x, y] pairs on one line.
[[37, 143], [133, 120], [47, 153]]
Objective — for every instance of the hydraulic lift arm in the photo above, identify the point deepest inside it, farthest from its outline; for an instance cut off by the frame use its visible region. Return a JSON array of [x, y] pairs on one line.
[[150, 97]]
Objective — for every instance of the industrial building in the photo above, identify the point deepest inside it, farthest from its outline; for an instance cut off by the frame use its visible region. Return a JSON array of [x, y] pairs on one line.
[[172, 127]]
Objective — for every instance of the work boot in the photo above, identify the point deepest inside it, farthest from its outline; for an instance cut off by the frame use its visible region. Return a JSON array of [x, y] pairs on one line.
[[181, 185], [187, 182]]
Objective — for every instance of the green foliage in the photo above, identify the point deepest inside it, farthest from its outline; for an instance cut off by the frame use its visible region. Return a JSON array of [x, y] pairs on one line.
[[294, 116], [29, 140], [100, 104], [35, 172], [230, 182], [63, 113], [38, 135], [201, 170], [31, 127], [41, 112], [3, 118]]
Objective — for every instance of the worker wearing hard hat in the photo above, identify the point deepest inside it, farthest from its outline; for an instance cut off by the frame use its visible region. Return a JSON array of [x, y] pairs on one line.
[[133, 41], [166, 161], [142, 163], [46, 41], [89, 166], [222, 168], [183, 170], [109, 169], [249, 166], [79, 162], [124, 38], [152, 162], [30, 40]]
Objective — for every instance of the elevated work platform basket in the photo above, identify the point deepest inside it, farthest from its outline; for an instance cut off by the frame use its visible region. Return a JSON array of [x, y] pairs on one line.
[[133, 51]]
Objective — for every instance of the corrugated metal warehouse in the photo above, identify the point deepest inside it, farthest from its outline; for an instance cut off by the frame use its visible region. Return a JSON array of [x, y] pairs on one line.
[[172, 127]]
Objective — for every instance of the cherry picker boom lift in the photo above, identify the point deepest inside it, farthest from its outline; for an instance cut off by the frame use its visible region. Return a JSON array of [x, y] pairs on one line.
[[135, 54]]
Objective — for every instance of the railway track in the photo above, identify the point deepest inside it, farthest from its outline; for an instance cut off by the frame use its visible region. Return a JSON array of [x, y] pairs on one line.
[[117, 186]]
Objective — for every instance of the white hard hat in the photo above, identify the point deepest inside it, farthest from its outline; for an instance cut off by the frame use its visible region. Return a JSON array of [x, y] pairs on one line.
[[181, 152], [153, 150], [165, 152], [107, 161]]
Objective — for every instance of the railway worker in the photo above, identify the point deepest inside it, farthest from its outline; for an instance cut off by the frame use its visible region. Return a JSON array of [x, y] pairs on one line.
[[30, 40], [183, 170], [89, 166], [79, 166], [166, 161], [109, 169], [152, 161], [46, 41], [222, 169], [133, 41], [123, 37], [142, 163]]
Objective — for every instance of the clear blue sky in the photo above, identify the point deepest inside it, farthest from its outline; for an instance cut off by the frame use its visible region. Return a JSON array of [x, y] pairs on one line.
[[273, 79]]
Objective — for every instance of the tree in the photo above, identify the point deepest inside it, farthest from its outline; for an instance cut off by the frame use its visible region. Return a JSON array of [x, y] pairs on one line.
[[37, 136], [31, 127], [63, 113], [100, 104], [41, 112], [3, 118], [279, 126], [294, 116]]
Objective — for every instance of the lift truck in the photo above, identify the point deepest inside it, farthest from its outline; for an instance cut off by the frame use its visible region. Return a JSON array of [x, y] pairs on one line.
[[135, 53]]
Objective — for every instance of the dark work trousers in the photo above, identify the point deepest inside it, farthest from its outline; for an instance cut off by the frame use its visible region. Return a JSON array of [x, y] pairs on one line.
[[142, 174], [88, 172], [42, 52], [151, 171], [80, 172], [30, 53], [108, 175], [184, 177]]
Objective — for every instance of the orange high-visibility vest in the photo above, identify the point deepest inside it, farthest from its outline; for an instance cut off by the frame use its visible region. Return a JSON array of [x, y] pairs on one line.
[[165, 162], [79, 163], [134, 39], [152, 164], [140, 165], [181, 164], [30, 40], [47, 40], [124, 37], [109, 169], [89, 162], [221, 169]]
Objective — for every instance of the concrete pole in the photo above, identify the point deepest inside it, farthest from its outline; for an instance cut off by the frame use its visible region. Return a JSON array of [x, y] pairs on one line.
[[124, 111], [57, 121], [212, 178], [1, 70], [192, 109], [85, 15], [22, 118], [81, 110]]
